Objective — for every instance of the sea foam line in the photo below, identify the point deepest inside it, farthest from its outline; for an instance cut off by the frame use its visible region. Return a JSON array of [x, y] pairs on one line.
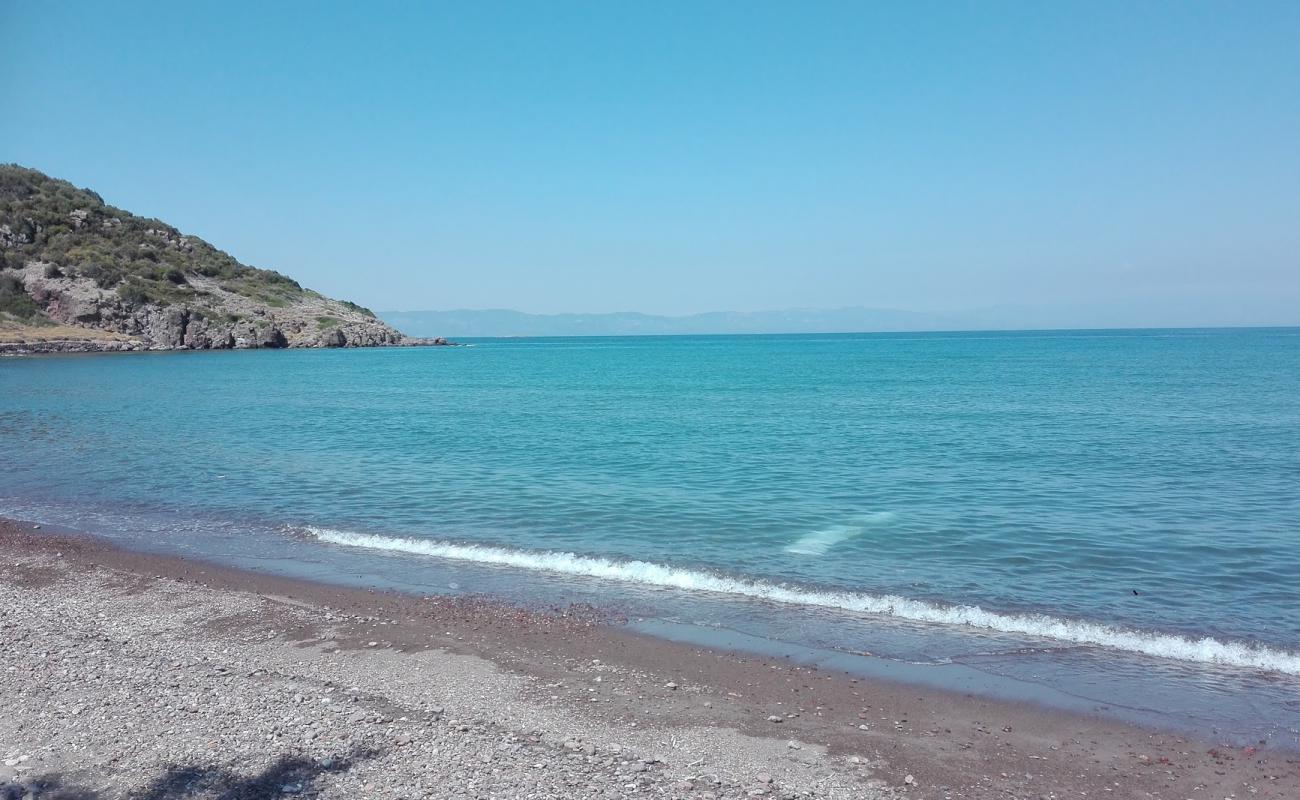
[[1205, 650]]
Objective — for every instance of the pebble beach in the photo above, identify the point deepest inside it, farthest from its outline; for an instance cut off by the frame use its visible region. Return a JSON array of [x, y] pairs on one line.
[[130, 675]]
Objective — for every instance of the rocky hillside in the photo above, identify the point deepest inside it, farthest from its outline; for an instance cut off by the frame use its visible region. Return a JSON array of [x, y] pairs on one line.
[[78, 274]]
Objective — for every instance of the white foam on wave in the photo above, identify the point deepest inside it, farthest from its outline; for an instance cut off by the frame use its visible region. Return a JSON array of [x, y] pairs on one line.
[[1161, 645], [818, 542]]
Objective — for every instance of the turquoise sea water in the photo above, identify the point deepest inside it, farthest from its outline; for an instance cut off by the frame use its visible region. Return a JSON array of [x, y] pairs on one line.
[[1061, 508]]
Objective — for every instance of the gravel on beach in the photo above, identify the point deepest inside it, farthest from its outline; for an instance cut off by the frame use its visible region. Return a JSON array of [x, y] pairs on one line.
[[119, 686], [130, 675]]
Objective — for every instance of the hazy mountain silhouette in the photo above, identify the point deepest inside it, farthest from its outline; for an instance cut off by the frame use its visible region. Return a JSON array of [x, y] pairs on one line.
[[1133, 313], [504, 322]]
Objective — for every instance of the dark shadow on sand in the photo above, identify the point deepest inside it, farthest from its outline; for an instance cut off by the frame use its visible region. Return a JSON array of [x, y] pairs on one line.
[[286, 777]]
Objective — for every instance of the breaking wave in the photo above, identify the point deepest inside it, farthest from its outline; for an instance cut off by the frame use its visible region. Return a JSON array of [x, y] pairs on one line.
[[1161, 645]]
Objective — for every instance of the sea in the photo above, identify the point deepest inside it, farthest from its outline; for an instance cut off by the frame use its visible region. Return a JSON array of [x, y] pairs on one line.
[[1100, 521]]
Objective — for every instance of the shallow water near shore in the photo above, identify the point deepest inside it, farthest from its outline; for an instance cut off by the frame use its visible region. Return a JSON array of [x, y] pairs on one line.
[[1107, 516]]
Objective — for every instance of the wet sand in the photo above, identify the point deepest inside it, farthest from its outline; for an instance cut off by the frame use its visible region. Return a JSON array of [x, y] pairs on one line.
[[673, 719]]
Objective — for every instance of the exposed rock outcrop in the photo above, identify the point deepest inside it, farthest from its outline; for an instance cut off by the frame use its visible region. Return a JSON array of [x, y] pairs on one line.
[[223, 320], [68, 259]]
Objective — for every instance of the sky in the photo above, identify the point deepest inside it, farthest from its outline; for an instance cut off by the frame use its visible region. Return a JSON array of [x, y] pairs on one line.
[[1128, 162]]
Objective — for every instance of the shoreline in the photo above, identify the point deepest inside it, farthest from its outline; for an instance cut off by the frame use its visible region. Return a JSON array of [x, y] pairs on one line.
[[765, 724], [120, 343]]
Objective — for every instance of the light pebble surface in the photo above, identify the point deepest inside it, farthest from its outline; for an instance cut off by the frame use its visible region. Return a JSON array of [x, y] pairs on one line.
[[135, 675], [175, 689]]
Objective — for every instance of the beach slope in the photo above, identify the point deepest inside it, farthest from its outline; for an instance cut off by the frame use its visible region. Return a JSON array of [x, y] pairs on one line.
[[137, 675]]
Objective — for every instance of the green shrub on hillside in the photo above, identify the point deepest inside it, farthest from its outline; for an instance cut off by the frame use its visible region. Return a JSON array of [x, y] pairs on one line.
[[134, 292], [14, 299], [53, 221], [359, 309]]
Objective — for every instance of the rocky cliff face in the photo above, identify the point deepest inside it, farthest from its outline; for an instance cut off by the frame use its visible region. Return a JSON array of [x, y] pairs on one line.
[[71, 263], [215, 319]]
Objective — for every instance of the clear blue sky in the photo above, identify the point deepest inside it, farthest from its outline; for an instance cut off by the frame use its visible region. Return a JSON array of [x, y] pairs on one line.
[[674, 158]]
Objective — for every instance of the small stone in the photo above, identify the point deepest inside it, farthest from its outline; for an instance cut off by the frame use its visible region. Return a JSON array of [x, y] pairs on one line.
[[670, 685], [909, 780], [775, 718], [763, 777], [793, 745]]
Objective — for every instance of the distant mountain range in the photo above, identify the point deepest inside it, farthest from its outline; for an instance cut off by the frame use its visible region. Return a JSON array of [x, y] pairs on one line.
[[464, 323], [504, 322]]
